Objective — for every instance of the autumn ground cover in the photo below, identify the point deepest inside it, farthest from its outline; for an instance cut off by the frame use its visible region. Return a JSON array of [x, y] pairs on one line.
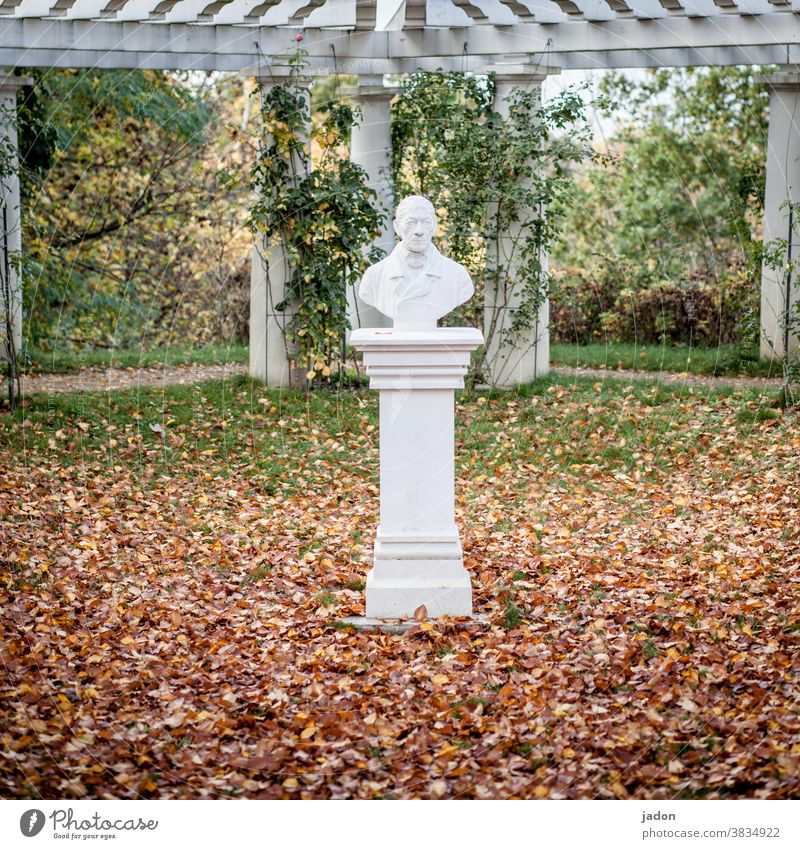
[[176, 564]]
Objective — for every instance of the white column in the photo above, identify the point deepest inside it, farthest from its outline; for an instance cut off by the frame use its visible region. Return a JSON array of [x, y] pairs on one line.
[[11, 238], [269, 353], [269, 275], [371, 148], [528, 356], [782, 189], [418, 558]]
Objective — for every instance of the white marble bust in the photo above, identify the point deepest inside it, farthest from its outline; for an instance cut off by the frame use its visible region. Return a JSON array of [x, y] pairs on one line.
[[415, 285]]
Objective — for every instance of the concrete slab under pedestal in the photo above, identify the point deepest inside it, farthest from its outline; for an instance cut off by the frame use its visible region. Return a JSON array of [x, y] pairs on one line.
[[373, 625]]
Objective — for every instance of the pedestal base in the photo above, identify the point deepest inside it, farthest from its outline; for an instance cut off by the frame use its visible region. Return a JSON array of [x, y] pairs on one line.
[[398, 598]]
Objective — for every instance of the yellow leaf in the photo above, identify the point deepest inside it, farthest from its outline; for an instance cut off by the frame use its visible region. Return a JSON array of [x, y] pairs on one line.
[[308, 731], [440, 679]]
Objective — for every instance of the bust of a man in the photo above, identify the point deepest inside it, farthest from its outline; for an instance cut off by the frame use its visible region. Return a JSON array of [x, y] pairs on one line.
[[415, 285]]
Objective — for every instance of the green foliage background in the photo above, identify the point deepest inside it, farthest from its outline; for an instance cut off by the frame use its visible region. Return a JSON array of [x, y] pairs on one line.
[[662, 241], [316, 215], [500, 184], [131, 240], [127, 238]]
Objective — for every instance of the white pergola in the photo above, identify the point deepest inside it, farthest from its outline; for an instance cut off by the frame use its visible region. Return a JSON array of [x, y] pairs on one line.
[[395, 36], [517, 40]]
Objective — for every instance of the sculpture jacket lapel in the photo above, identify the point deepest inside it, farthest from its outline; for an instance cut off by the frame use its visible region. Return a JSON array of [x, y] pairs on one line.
[[407, 287]]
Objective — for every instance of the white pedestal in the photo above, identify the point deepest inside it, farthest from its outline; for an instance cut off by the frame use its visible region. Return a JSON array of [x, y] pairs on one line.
[[418, 558]]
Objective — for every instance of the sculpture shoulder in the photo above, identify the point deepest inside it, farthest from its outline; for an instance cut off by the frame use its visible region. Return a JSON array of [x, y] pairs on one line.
[[375, 271], [460, 276], [371, 282], [454, 269]]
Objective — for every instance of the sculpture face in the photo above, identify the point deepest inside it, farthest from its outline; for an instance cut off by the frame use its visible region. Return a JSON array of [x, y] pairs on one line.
[[415, 227]]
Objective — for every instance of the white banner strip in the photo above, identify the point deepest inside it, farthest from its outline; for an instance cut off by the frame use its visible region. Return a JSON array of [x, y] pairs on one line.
[[755, 824]]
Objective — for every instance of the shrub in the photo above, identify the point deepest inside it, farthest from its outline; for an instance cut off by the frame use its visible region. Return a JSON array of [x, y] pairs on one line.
[[702, 310]]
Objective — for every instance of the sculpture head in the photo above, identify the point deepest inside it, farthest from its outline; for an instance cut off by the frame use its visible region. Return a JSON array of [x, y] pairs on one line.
[[415, 223]]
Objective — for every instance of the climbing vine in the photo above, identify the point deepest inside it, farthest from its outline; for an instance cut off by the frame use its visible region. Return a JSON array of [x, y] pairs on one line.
[[321, 216], [498, 181]]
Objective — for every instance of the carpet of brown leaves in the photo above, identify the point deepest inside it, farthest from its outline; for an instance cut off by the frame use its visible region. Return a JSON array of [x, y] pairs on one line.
[[171, 610]]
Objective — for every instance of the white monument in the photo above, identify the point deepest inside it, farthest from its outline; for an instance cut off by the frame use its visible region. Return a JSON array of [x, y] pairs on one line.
[[416, 366]]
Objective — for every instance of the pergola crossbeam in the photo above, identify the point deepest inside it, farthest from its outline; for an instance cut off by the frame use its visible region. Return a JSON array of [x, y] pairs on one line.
[[623, 42]]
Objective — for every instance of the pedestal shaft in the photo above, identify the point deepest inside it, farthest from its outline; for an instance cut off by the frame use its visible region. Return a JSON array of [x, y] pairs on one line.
[[417, 466]]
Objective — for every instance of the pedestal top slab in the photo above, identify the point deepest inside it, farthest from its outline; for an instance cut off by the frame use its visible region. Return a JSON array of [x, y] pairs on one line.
[[416, 359], [453, 338]]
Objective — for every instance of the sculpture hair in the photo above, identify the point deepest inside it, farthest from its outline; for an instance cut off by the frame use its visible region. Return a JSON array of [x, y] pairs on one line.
[[413, 202]]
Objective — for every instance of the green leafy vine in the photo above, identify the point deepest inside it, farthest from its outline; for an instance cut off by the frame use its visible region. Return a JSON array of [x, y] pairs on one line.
[[323, 217], [498, 181]]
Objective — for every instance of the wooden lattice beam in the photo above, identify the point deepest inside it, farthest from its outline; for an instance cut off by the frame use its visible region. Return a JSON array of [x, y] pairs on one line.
[[626, 41]]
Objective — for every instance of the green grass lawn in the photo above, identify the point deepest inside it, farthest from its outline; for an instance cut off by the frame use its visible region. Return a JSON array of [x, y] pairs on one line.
[[65, 362], [612, 424], [725, 360]]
